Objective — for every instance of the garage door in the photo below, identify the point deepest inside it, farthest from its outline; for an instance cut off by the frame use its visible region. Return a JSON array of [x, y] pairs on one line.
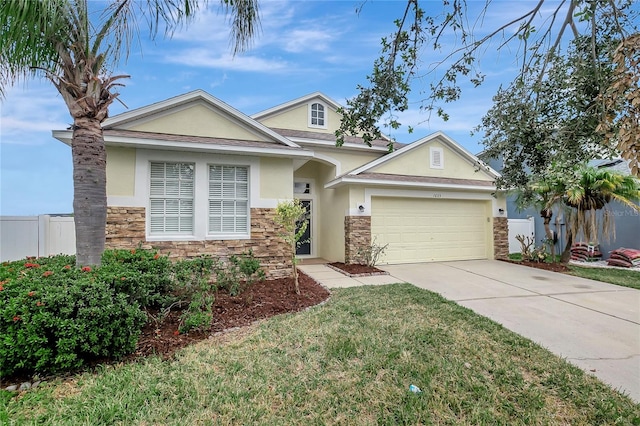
[[422, 230]]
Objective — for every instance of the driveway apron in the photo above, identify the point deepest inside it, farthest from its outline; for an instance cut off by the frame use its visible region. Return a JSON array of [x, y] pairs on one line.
[[594, 325]]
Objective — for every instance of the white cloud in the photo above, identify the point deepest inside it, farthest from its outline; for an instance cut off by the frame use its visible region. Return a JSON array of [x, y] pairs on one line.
[[202, 57], [28, 117], [307, 40], [219, 82]]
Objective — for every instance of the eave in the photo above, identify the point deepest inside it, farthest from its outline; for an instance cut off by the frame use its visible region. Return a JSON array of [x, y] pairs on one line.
[[423, 182], [165, 142]]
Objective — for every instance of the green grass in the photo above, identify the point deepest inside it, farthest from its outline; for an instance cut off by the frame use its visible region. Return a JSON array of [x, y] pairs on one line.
[[515, 256], [608, 275], [625, 278], [349, 361]]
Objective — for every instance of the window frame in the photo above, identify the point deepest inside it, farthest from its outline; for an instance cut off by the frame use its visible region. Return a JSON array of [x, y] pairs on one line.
[[164, 197], [222, 234], [311, 117], [141, 196]]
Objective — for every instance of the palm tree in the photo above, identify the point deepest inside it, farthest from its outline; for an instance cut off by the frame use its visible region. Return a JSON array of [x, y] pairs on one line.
[[77, 50], [585, 192]]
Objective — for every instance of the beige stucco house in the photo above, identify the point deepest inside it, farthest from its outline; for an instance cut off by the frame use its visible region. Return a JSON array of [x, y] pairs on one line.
[[192, 175]]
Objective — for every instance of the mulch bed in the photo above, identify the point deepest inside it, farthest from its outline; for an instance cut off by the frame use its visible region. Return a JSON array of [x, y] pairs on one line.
[[554, 267], [353, 269], [262, 300]]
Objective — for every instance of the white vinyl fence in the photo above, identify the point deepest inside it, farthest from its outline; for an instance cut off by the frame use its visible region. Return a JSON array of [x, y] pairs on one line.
[[44, 235], [524, 227]]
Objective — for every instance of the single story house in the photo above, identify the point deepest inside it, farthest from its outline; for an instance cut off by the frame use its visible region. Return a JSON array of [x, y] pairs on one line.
[[192, 175]]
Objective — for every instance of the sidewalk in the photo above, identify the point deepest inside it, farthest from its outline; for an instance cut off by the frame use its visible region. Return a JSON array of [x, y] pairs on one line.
[[331, 278]]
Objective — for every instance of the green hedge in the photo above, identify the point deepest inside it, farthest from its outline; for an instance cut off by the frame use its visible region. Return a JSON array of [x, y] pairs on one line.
[[55, 317]]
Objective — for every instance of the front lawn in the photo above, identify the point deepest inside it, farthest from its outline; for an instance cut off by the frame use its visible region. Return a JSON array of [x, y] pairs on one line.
[[349, 361], [621, 277], [626, 278]]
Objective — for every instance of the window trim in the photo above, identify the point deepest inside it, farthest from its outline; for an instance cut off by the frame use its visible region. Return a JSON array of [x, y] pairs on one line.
[[141, 197], [221, 234], [324, 115], [165, 197]]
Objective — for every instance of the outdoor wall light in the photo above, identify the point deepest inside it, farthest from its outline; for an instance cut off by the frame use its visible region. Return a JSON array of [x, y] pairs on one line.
[[361, 208], [501, 211]]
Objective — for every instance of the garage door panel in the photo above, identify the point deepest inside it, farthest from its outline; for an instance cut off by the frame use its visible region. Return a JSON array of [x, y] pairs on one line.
[[419, 230]]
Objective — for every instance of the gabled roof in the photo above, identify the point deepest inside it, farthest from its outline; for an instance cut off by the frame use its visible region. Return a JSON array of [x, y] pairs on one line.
[[327, 139], [193, 97], [294, 103], [365, 174], [311, 137]]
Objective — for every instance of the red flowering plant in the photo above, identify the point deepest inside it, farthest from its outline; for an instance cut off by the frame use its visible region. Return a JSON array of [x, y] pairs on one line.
[[40, 305]]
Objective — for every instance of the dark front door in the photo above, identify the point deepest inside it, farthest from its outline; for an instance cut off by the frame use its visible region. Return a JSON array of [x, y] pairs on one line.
[[305, 248]]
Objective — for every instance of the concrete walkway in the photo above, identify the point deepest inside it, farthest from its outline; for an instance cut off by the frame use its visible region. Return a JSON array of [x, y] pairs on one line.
[[594, 325]]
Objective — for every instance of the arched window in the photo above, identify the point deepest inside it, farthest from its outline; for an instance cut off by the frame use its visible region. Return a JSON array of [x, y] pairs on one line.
[[316, 115]]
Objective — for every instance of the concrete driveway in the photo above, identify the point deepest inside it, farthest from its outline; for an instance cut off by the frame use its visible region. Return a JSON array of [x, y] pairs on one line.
[[594, 325]]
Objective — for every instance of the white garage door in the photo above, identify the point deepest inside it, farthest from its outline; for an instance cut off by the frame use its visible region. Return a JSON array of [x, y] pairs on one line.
[[423, 230]]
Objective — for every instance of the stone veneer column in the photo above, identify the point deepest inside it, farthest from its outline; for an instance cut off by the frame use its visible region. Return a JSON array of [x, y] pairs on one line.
[[126, 230], [500, 237], [357, 235]]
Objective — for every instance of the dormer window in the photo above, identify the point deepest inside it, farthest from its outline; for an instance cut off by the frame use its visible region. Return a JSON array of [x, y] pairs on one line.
[[317, 116]]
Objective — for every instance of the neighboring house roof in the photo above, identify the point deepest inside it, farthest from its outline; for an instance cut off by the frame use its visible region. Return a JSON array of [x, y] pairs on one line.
[[617, 164], [364, 174]]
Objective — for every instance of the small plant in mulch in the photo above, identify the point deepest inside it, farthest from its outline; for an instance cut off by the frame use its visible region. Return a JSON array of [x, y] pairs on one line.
[[370, 255]]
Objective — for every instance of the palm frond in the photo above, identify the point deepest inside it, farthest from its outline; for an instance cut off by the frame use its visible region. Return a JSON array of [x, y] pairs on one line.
[[31, 33]]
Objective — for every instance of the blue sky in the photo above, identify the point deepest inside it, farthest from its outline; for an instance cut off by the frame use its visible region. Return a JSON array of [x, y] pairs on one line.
[[304, 46]]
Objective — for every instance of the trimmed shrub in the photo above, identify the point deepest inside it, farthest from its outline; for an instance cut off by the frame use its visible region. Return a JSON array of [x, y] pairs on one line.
[[55, 317], [143, 275], [239, 273]]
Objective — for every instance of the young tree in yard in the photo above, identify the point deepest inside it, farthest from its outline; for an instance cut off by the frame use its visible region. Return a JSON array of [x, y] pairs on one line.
[[583, 193], [77, 50], [536, 35], [290, 215]]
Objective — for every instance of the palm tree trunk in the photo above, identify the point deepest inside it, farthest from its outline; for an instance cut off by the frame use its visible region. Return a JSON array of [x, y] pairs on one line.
[[89, 190], [566, 254], [547, 214]]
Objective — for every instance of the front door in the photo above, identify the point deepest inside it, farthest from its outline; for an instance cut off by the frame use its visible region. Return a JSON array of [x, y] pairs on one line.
[[304, 249]]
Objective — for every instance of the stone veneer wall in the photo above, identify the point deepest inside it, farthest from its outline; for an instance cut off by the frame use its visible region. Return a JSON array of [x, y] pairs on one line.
[[126, 230], [500, 238], [357, 234]]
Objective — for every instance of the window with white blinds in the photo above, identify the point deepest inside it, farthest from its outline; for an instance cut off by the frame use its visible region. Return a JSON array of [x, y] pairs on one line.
[[171, 198], [228, 200]]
